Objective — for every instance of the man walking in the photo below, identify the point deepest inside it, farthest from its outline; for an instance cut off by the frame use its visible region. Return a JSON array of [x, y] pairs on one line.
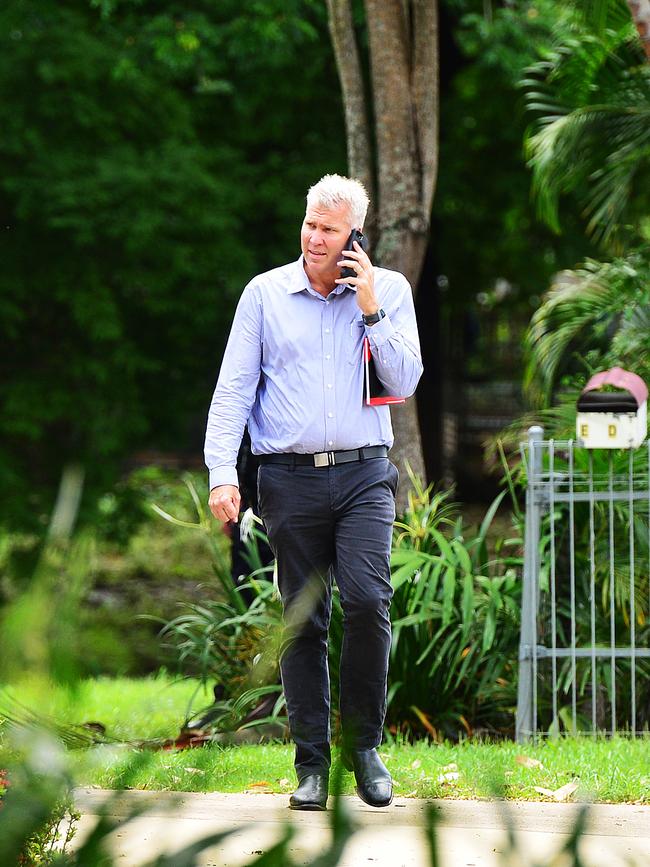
[[293, 370]]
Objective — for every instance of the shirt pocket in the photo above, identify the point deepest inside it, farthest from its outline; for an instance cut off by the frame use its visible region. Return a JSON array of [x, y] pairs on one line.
[[356, 333]]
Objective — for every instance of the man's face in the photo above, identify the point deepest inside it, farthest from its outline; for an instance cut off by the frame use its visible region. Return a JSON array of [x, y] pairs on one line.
[[323, 236]]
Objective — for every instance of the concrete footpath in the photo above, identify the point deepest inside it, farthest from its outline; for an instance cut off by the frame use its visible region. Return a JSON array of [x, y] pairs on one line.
[[470, 834]]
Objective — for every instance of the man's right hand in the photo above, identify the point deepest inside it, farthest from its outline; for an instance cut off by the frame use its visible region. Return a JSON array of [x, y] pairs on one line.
[[224, 503]]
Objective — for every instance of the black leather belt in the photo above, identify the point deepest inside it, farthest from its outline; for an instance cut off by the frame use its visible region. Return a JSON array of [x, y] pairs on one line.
[[326, 459]]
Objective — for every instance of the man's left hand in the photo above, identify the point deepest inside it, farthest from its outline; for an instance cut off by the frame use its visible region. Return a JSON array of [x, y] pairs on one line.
[[364, 280]]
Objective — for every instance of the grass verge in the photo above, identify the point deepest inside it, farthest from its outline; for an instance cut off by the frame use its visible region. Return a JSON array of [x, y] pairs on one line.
[[614, 771], [607, 770]]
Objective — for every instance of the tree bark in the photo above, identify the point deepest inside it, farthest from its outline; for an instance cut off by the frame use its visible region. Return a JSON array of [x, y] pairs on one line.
[[354, 106], [426, 96], [403, 42], [640, 10], [404, 69]]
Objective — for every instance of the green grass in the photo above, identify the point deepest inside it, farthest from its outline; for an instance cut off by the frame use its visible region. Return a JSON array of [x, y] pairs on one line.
[[131, 709], [615, 770]]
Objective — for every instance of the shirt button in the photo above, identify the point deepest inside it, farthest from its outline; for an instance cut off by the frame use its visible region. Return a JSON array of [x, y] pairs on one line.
[[330, 415], [329, 384], [327, 357], [330, 442], [327, 331]]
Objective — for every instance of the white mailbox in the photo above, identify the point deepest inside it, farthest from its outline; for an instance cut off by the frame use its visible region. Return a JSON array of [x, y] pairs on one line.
[[616, 418]]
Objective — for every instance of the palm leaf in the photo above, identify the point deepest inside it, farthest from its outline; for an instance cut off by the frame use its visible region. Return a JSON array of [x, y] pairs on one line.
[[576, 302], [591, 132]]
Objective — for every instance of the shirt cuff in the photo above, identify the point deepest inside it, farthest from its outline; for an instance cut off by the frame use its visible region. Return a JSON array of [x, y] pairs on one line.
[[381, 332], [223, 476]]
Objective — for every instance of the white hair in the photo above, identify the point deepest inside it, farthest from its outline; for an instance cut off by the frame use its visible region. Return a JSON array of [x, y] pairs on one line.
[[332, 191]]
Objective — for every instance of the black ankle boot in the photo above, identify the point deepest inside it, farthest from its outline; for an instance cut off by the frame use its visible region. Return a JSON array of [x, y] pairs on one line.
[[374, 783], [311, 793]]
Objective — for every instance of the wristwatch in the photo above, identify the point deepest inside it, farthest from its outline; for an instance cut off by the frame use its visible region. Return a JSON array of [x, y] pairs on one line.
[[374, 318]]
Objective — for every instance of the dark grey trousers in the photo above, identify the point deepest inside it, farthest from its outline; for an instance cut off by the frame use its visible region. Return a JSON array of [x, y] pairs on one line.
[[322, 522]]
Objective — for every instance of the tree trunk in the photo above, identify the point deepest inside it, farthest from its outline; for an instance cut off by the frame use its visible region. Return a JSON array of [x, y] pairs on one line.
[[349, 69], [406, 254], [640, 10], [403, 42]]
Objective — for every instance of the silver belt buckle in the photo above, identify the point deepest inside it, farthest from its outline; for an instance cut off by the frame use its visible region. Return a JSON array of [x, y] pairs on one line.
[[324, 459]]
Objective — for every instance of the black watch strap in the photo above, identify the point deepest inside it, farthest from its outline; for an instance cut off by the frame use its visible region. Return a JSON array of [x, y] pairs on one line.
[[374, 317]]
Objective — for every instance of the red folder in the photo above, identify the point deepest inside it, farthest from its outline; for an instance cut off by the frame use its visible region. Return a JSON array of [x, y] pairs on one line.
[[374, 391]]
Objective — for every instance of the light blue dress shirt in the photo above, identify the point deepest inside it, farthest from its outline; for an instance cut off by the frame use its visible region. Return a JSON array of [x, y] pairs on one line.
[[293, 369]]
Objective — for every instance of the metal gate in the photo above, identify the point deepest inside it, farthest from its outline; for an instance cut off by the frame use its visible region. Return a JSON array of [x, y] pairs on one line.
[[584, 655]]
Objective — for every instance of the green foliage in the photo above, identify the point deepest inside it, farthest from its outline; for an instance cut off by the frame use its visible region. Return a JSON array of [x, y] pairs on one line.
[[126, 506], [482, 199], [569, 543], [591, 318], [610, 769], [226, 645], [455, 616], [455, 620], [37, 815], [37, 632], [130, 709], [153, 160], [233, 640], [38, 768], [591, 138], [51, 841], [597, 534], [137, 565], [591, 135]]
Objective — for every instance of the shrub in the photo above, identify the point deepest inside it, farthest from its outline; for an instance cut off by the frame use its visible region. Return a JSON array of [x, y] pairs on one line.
[[455, 616], [455, 619]]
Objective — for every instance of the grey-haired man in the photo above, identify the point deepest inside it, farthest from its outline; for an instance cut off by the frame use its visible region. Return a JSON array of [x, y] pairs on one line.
[[292, 370]]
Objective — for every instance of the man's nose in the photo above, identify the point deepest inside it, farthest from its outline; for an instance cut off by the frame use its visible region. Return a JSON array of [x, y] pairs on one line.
[[316, 237]]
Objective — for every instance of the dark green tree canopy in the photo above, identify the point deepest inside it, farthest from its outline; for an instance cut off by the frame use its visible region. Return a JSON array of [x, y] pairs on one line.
[[154, 158]]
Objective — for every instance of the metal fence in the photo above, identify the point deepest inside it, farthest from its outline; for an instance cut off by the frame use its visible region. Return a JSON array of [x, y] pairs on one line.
[[584, 655]]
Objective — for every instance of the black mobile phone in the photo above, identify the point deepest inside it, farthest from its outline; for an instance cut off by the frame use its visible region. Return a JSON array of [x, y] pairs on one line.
[[362, 241]]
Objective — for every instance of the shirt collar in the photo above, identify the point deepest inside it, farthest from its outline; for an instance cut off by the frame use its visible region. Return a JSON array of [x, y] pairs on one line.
[[300, 281]]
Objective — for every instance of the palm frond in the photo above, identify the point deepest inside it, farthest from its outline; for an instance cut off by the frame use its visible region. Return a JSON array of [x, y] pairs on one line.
[[616, 183], [591, 132], [631, 343], [602, 15], [575, 304]]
